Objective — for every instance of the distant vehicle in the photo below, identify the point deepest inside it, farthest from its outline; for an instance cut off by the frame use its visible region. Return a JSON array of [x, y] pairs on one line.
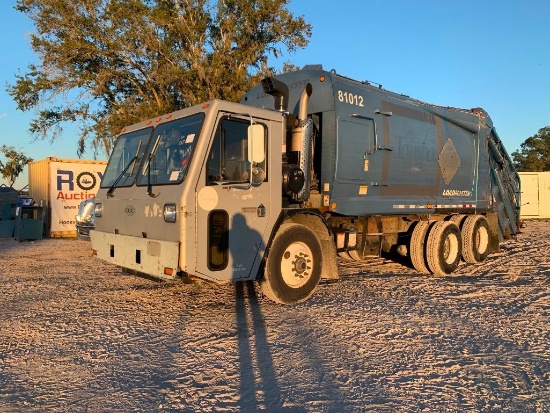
[[85, 219]]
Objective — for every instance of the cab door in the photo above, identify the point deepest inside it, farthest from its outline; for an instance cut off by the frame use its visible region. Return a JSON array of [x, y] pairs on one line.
[[233, 196]]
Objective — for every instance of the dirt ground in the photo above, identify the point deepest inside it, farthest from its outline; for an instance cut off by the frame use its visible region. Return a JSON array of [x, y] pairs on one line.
[[77, 335]]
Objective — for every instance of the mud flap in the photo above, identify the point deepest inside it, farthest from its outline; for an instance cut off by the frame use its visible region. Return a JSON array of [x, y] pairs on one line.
[[494, 233], [330, 264]]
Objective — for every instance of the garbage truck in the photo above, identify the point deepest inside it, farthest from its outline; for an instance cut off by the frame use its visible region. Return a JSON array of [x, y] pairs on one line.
[[309, 169]]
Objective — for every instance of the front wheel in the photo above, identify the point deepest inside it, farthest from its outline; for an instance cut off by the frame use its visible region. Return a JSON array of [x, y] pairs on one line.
[[293, 267]]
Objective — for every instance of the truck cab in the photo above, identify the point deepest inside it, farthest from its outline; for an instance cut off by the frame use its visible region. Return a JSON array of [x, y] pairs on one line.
[[191, 192]]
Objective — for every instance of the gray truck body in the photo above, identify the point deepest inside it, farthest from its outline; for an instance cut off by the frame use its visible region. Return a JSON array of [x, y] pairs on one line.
[[385, 153], [346, 168]]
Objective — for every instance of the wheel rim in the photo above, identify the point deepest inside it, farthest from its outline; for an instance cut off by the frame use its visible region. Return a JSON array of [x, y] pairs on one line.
[[450, 248], [297, 265], [482, 240]]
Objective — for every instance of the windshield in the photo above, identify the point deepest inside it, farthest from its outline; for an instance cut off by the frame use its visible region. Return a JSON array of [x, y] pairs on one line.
[[125, 159], [169, 153]]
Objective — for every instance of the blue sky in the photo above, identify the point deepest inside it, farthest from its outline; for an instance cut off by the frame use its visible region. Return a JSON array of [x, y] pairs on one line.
[[463, 53]]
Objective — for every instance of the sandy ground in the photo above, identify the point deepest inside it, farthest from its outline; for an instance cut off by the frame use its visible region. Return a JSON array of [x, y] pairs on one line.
[[77, 335]]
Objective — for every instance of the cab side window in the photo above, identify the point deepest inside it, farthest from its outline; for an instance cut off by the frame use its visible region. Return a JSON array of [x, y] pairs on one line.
[[228, 158]]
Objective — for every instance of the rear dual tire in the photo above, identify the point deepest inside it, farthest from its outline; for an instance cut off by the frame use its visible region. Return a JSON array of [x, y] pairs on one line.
[[435, 247], [475, 239], [443, 248], [417, 248], [438, 247], [475, 234]]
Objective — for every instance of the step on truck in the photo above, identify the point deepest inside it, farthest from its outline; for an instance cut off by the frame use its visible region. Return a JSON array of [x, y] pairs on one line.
[[309, 168]]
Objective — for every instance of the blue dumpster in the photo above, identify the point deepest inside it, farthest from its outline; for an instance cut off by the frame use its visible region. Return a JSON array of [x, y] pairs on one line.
[[8, 204], [29, 223], [7, 220]]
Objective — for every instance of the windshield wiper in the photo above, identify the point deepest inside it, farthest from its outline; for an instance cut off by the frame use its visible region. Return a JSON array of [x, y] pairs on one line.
[[132, 162], [151, 158]]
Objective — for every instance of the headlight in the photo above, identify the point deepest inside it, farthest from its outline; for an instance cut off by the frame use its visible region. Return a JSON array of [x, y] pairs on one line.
[[98, 208], [169, 212]]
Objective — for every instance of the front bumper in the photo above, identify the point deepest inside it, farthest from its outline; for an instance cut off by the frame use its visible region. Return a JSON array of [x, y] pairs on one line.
[[155, 258]]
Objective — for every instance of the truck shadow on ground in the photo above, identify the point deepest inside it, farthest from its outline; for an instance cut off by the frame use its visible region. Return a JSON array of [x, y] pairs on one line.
[[252, 335], [259, 381]]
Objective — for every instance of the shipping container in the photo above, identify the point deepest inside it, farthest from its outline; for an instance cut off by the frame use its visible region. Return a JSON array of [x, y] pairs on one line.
[[535, 195], [59, 185]]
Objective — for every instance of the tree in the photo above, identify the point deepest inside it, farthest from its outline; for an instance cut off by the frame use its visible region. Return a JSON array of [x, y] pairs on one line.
[[108, 63], [535, 153], [14, 165]]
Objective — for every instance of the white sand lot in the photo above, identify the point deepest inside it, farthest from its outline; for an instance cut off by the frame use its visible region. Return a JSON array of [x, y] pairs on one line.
[[77, 335]]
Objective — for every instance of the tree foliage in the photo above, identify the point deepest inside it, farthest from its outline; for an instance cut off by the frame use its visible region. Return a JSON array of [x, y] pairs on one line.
[[14, 165], [534, 155], [109, 63]]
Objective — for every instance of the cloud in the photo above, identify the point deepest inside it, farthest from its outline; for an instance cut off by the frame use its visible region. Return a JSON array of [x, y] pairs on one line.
[[3, 115]]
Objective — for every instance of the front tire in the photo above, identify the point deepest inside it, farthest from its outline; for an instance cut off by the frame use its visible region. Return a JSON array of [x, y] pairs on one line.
[[293, 266]]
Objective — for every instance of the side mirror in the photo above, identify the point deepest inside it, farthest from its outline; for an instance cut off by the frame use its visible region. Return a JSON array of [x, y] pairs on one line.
[[256, 144]]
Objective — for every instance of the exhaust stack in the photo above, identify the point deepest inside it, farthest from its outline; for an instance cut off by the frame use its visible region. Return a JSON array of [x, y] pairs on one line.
[[302, 131], [277, 89], [302, 139]]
